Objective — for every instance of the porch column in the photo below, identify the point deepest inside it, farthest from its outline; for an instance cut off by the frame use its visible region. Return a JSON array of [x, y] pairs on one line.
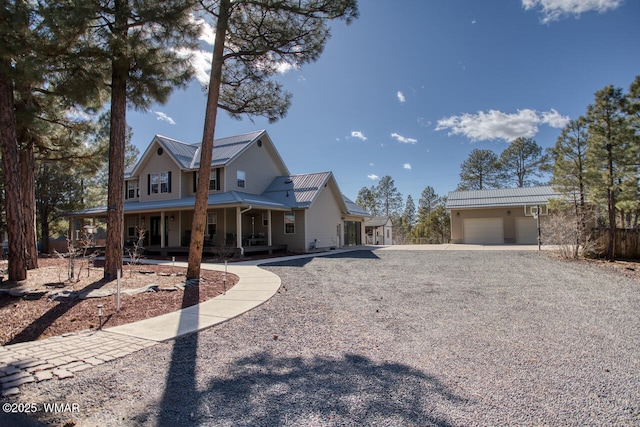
[[238, 228], [162, 228], [180, 228], [269, 240]]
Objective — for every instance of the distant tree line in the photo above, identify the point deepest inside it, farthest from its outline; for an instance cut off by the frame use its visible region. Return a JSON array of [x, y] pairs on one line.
[[429, 222], [595, 163]]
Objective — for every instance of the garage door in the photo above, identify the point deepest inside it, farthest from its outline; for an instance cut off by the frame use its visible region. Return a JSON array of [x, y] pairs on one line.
[[483, 231], [526, 231]]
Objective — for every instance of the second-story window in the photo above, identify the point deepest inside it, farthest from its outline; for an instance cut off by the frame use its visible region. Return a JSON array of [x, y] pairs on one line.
[[159, 183], [133, 189], [164, 182], [212, 180], [155, 179], [241, 179]]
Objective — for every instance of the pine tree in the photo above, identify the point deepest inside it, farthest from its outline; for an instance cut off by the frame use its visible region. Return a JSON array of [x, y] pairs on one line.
[[368, 199], [409, 216], [137, 44], [17, 248], [428, 201], [611, 155], [390, 199], [479, 171], [520, 162], [252, 40], [569, 157]]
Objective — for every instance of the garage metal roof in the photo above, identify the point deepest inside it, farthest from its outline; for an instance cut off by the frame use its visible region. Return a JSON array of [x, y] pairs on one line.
[[501, 197]]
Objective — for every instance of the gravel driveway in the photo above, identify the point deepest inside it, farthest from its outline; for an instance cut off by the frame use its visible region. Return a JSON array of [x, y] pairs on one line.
[[447, 338]]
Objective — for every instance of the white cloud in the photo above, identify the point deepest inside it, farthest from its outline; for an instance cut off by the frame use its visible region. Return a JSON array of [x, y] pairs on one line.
[[401, 97], [372, 164], [201, 62], [498, 125], [555, 119], [163, 116], [554, 10], [423, 122], [403, 139], [208, 31], [358, 134], [406, 166], [372, 177]]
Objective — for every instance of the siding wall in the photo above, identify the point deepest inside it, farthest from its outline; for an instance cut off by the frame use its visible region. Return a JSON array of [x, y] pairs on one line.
[[295, 242], [323, 218], [259, 167], [187, 182], [156, 164]]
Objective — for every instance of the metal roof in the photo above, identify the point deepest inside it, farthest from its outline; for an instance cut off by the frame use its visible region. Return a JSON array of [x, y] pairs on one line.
[[183, 153], [500, 197], [376, 221], [230, 198], [224, 149], [353, 208], [297, 191]]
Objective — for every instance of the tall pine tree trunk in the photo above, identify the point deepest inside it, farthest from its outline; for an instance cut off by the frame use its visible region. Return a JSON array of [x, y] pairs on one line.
[[206, 152], [27, 167], [10, 165], [115, 196], [611, 202], [114, 251]]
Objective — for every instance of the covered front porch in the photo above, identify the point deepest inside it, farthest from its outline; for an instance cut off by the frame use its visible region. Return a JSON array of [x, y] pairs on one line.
[[165, 227], [246, 229]]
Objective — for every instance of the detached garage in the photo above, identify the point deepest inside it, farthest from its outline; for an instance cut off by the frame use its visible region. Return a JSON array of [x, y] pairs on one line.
[[496, 217]]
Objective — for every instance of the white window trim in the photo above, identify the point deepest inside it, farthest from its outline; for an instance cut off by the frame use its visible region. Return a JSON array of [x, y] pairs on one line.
[[159, 183], [212, 180], [212, 219], [155, 183], [241, 179], [132, 223], [133, 185], [293, 223]]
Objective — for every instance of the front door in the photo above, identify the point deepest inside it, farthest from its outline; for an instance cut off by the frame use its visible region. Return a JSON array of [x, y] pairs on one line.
[[154, 231], [352, 233]]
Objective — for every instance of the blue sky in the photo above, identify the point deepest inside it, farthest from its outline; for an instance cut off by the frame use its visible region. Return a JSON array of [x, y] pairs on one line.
[[412, 87]]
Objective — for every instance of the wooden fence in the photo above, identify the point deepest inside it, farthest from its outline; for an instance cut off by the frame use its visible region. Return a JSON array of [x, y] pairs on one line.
[[627, 242]]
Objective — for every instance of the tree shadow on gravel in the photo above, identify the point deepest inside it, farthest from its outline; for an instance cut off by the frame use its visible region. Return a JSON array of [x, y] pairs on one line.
[[180, 384], [264, 389]]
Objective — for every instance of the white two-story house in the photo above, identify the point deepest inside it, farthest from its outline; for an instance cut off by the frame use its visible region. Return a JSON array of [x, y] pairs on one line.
[[255, 204]]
